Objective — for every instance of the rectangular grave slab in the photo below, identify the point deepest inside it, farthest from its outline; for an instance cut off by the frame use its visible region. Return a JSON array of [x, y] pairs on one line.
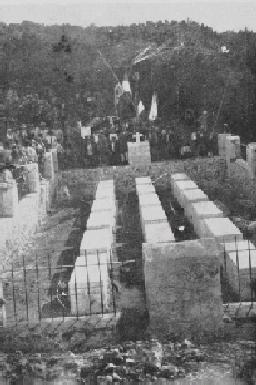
[[180, 186], [143, 180], [149, 200], [158, 232], [192, 196], [100, 239], [100, 219], [104, 204], [177, 177], [202, 210], [145, 189], [87, 297], [221, 229], [152, 214]]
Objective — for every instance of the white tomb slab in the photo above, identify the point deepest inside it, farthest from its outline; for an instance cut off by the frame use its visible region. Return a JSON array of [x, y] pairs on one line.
[[178, 177], [143, 180], [192, 196], [180, 186], [149, 199], [239, 245], [145, 189], [244, 257], [87, 296], [202, 210], [220, 228], [158, 232], [100, 219], [152, 214], [100, 239], [105, 193], [101, 205]]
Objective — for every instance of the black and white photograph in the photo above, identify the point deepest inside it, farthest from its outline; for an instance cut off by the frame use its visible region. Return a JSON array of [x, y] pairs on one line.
[[127, 192]]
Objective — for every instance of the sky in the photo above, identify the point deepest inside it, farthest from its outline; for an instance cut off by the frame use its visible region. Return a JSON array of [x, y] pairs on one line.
[[220, 15]]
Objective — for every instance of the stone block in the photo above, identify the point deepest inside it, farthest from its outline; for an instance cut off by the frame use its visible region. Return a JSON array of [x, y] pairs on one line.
[[87, 296], [27, 215], [202, 210], [177, 177], [101, 219], [55, 160], [180, 186], [145, 189], [48, 170], [8, 199], [6, 233], [222, 229], [183, 293], [139, 153], [32, 177], [251, 159], [158, 232], [192, 196], [222, 144], [233, 150], [100, 239], [143, 180], [104, 204], [149, 199], [152, 214]]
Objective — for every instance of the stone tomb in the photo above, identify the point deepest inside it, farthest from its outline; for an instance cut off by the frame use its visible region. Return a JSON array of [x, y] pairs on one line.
[[145, 189], [105, 192], [8, 198], [149, 200], [180, 186], [152, 214], [202, 210], [32, 177], [192, 196], [139, 153], [99, 205], [158, 232], [177, 177], [96, 251], [183, 293], [222, 229], [143, 180], [101, 219]]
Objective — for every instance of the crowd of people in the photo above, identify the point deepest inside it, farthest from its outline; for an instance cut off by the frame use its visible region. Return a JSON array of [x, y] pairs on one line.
[[111, 147]]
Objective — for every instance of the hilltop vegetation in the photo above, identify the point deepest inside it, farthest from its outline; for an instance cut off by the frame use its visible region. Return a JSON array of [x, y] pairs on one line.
[[182, 61]]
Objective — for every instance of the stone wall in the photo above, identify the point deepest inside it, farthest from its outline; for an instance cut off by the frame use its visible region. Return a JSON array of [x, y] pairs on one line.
[[19, 219], [183, 291]]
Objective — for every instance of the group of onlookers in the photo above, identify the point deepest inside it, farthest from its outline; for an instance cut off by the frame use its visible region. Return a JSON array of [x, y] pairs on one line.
[[112, 148]]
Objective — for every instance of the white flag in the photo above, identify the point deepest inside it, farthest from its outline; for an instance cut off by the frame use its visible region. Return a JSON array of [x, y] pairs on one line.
[[153, 109]]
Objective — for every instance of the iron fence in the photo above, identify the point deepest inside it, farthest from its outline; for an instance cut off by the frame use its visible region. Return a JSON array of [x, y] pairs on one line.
[[46, 291]]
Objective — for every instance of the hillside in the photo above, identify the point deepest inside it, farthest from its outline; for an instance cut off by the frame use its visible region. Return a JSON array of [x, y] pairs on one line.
[[183, 62]]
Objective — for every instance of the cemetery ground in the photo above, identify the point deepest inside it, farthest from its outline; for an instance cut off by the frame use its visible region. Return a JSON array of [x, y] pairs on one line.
[[57, 243]]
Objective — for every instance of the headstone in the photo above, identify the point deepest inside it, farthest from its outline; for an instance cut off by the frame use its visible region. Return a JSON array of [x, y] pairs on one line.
[[48, 171], [139, 153], [8, 198], [251, 159], [32, 176]]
